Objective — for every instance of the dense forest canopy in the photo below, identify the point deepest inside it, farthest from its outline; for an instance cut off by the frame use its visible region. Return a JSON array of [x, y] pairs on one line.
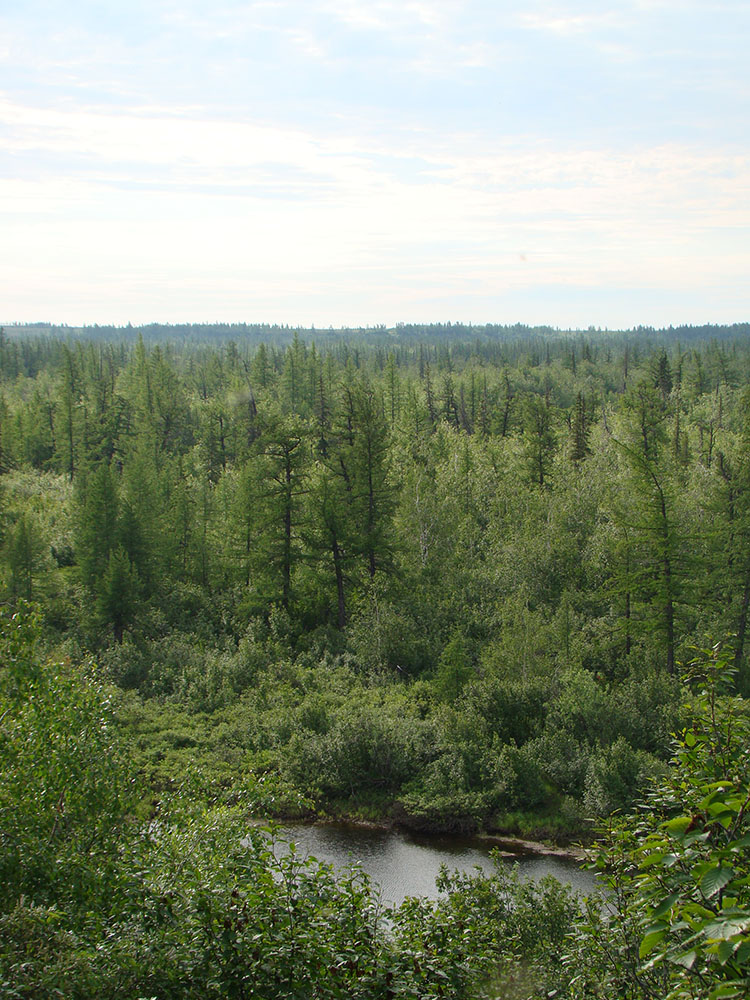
[[441, 576], [511, 541]]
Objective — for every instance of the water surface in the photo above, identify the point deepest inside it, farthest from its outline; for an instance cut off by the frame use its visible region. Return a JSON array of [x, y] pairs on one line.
[[403, 865]]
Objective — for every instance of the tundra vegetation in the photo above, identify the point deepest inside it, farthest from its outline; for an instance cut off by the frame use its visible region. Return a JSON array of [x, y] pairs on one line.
[[449, 578]]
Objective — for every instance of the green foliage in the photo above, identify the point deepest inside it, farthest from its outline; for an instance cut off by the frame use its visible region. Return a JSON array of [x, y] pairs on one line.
[[63, 794], [500, 937], [118, 592], [195, 904], [454, 669], [678, 870], [444, 582], [20, 555], [371, 746], [304, 550]]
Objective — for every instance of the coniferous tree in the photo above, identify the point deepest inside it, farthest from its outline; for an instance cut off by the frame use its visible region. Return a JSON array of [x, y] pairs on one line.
[[655, 567], [363, 460], [579, 437], [538, 438], [328, 532], [730, 537], [68, 400], [96, 522], [278, 471], [21, 553], [118, 590]]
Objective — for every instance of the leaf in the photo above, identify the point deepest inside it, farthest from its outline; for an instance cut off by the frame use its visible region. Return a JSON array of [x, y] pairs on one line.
[[714, 881], [698, 910], [652, 859], [686, 959], [710, 799], [725, 990], [651, 940], [726, 949], [717, 808], [666, 905], [677, 825], [697, 836], [723, 929], [726, 818]]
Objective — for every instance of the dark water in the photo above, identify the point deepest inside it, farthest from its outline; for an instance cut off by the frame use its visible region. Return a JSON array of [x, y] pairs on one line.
[[403, 865]]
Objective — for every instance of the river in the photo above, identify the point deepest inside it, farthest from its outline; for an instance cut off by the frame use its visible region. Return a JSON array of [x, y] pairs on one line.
[[403, 865]]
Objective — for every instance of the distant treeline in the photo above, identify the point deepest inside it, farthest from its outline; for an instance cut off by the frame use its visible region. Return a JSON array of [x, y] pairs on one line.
[[26, 349], [509, 334]]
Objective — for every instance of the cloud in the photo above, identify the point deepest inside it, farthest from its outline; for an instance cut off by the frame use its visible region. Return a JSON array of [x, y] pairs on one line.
[[387, 15], [186, 146], [356, 152], [558, 23], [154, 198]]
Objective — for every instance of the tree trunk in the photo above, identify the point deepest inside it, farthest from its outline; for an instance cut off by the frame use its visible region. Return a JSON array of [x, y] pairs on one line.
[[742, 621], [336, 553]]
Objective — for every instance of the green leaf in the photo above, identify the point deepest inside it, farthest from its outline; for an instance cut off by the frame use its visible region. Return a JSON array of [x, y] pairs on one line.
[[650, 940], [652, 859], [677, 825], [714, 881], [726, 949], [697, 836], [666, 905], [725, 817], [724, 928], [725, 990], [717, 808], [686, 959], [710, 799], [698, 910]]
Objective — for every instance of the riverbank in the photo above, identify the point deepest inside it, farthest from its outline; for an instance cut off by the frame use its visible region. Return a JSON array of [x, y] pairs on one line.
[[553, 828], [512, 846], [506, 840]]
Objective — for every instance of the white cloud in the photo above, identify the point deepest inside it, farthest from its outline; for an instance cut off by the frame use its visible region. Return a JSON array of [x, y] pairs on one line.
[[154, 146], [566, 24], [243, 209], [385, 15], [214, 182]]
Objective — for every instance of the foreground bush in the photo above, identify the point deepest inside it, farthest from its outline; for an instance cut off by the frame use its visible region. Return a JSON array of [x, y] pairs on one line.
[[194, 903], [677, 923]]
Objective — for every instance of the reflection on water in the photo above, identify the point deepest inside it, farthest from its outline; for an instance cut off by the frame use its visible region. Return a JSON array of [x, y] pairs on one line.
[[403, 865]]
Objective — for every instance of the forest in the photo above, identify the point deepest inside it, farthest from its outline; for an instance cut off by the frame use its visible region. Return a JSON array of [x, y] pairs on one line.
[[450, 579]]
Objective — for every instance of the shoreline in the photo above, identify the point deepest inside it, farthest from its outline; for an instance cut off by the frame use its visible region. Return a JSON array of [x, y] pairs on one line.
[[508, 845]]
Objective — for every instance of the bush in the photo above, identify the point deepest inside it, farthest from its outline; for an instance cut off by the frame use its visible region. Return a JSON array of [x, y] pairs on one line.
[[368, 747], [615, 776], [63, 787], [677, 923]]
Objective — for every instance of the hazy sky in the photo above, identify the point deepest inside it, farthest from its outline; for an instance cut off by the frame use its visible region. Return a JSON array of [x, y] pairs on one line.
[[336, 162]]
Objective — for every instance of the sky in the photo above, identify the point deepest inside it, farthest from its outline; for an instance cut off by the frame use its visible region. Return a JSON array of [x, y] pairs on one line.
[[365, 162]]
